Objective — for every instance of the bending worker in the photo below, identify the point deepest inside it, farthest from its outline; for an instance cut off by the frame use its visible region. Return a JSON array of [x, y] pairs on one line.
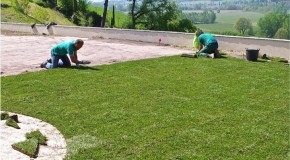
[[208, 45], [60, 51]]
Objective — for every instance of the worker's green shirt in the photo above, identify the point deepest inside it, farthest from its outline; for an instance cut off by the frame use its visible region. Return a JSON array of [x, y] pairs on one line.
[[64, 48], [206, 39]]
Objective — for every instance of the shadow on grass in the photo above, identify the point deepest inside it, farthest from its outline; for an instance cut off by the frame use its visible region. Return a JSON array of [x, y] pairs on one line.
[[222, 56], [185, 55], [283, 61], [258, 60], [85, 68]]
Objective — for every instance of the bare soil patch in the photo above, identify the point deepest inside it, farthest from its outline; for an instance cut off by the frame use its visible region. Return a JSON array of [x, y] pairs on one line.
[[24, 52]]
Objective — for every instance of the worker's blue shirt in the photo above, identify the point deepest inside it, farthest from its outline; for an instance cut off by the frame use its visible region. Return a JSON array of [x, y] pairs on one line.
[[206, 39], [64, 48]]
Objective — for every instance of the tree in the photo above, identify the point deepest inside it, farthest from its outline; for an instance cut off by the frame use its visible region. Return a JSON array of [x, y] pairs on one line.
[[203, 17], [66, 7], [270, 23], [282, 33], [90, 18], [159, 18], [243, 25], [47, 3], [83, 6], [185, 25], [152, 14], [75, 5], [212, 16], [69, 7], [105, 13], [113, 18], [132, 14], [173, 25]]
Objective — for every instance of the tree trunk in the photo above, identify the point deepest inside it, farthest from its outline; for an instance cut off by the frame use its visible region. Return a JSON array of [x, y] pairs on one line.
[[113, 19], [105, 13], [55, 4], [133, 14], [75, 5]]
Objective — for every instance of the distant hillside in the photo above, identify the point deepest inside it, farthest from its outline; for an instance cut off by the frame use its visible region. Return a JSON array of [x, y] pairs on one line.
[[36, 14], [120, 17], [40, 15]]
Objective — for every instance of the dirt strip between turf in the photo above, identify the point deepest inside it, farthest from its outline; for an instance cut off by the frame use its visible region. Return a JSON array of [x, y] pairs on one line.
[[20, 54]]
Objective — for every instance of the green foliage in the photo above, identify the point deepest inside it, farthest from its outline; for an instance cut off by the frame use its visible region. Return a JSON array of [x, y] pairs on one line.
[[78, 18], [4, 115], [244, 25], [21, 5], [270, 23], [41, 14], [173, 25], [83, 5], [153, 14], [41, 139], [91, 19], [10, 122], [204, 17], [282, 33], [121, 20], [162, 108], [45, 3], [66, 7], [183, 25], [28, 147]]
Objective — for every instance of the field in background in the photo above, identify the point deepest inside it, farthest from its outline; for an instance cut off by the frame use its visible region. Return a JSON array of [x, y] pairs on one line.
[[226, 20]]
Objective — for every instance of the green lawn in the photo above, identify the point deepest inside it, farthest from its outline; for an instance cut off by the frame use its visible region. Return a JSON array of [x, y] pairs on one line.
[[163, 108], [225, 21]]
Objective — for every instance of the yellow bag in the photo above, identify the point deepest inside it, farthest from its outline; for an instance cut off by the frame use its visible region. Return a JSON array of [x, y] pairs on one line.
[[195, 43]]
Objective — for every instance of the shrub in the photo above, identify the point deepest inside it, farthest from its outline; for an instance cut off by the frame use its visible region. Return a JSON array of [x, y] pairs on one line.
[[272, 22], [244, 26], [282, 33]]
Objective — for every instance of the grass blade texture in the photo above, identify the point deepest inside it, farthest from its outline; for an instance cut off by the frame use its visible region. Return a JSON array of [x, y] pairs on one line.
[[164, 108]]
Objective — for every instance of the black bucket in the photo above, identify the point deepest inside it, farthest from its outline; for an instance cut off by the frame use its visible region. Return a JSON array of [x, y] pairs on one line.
[[252, 54]]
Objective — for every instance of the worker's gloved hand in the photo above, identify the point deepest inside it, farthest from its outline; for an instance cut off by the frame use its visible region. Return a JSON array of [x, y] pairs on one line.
[[85, 62]]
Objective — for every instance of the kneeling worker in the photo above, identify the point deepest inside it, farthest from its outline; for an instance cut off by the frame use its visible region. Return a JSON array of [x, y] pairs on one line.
[[60, 51], [208, 45]]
